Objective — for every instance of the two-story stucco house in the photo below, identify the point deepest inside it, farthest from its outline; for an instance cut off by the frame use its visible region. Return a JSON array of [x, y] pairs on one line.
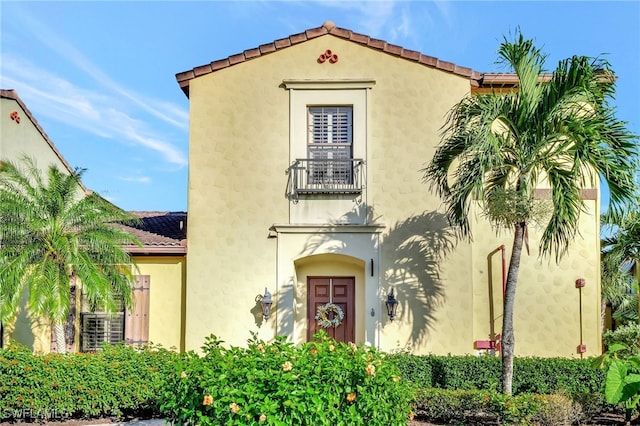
[[305, 178]]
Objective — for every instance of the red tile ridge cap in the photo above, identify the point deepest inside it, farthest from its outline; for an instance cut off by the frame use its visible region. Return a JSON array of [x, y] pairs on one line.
[[148, 213], [12, 94], [328, 27]]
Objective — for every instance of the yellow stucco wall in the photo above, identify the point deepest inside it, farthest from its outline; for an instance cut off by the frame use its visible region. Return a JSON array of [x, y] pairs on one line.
[[166, 298], [23, 139], [237, 157], [548, 308], [29, 330], [408, 106], [240, 145]]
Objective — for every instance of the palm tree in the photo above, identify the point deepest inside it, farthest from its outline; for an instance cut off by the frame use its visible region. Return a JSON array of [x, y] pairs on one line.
[[51, 232], [554, 128], [620, 254]]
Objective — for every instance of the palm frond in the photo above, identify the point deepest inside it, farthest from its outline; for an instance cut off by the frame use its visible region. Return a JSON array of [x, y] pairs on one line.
[[562, 131]]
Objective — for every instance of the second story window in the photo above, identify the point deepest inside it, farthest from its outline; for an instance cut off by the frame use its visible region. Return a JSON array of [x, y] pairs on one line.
[[327, 143], [330, 144]]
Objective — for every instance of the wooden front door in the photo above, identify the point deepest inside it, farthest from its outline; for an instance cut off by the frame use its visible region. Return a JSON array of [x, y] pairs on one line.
[[338, 290]]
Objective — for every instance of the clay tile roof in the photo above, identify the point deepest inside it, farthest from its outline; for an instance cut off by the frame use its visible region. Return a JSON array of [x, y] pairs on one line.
[[328, 27], [159, 232], [12, 94]]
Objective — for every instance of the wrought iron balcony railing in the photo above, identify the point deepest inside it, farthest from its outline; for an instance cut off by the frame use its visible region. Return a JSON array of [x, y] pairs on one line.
[[325, 176]]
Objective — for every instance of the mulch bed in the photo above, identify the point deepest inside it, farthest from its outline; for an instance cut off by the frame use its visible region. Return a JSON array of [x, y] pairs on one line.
[[605, 419]]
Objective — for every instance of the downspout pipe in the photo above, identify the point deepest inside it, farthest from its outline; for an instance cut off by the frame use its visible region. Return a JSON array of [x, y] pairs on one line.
[[494, 342], [503, 249], [582, 348]]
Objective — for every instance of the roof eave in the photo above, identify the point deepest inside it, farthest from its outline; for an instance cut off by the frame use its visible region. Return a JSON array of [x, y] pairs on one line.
[[330, 28], [156, 250]]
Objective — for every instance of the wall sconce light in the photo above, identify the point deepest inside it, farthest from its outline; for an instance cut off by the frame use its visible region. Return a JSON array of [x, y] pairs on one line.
[[266, 301], [392, 305]]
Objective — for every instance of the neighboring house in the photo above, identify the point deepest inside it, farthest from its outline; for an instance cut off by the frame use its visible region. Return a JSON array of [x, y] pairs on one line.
[[305, 178], [158, 312]]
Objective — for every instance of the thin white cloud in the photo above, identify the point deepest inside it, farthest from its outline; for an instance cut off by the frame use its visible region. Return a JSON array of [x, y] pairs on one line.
[[402, 22], [393, 21], [373, 16], [96, 113], [167, 150], [376, 17], [445, 9], [402, 29], [66, 50], [136, 179]]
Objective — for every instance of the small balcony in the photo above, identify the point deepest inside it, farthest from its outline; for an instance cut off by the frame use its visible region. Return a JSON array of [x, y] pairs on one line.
[[309, 176]]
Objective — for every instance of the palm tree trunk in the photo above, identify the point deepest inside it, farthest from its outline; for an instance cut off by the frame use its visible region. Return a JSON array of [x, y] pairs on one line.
[[508, 337], [61, 344], [70, 323]]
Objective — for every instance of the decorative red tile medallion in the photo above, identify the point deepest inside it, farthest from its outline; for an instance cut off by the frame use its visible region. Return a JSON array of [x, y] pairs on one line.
[[328, 55]]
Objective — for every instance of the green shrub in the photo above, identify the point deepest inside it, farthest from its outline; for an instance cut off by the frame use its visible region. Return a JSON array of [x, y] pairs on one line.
[[475, 407], [116, 381], [553, 375], [317, 383], [556, 410], [450, 372], [622, 383], [628, 335], [531, 375], [466, 372]]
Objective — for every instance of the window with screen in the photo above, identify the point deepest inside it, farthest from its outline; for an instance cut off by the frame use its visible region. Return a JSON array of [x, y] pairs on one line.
[[98, 327], [330, 144]]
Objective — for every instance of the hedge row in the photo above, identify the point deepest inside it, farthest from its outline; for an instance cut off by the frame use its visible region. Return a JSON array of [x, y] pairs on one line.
[[530, 375], [277, 383], [274, 378], [627, 334], [117, 381]]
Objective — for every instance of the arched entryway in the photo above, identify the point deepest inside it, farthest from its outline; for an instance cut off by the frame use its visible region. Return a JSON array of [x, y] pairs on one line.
[[337, 279]]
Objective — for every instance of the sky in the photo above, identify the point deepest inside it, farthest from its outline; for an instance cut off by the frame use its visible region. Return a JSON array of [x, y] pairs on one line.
[[99, 76]]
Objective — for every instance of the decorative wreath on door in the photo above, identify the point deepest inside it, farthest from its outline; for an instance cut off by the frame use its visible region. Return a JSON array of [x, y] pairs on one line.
[[322, 315]]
